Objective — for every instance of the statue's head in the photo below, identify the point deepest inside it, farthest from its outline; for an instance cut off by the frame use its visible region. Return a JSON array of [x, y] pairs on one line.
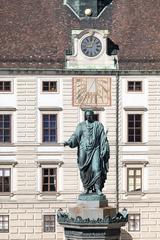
[[89, 115]]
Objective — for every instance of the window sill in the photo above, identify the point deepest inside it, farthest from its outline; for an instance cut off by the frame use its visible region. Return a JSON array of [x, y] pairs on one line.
[[7, 144], [138, 193], [51, 144], [134, 143], [6, 194], [57, 194]]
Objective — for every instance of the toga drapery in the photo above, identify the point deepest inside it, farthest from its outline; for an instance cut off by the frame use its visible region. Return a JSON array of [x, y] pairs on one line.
[[93, 153]]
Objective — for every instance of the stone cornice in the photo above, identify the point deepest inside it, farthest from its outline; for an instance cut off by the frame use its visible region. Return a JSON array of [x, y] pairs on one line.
[[68, 72]]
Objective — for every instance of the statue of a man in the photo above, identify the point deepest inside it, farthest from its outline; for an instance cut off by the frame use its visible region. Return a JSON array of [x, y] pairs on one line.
[[93, 153]]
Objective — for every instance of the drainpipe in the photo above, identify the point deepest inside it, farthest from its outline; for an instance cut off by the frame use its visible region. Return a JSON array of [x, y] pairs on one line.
[[117, 138]]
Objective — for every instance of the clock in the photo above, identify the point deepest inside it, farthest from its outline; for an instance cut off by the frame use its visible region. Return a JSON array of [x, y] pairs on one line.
[[91, 91], [91, 46]]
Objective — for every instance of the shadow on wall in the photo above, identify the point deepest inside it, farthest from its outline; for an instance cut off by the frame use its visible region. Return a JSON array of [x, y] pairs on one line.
[[125, 235]]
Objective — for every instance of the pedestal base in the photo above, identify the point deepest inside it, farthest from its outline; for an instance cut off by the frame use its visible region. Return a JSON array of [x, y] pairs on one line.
[[92, 219], [92, 233]]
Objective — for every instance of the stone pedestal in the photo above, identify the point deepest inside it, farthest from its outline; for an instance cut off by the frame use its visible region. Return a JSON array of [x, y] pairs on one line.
[[92, 218]]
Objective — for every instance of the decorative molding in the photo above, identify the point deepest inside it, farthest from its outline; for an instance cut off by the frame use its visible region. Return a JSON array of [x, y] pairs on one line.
[[11, 109], [135, 108], [65, 218], [128, 162], [93, 108], [48, 162], [50, 108], [10, 162]]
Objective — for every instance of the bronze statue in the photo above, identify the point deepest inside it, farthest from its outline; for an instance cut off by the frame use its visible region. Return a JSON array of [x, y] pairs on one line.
[[93, 153]]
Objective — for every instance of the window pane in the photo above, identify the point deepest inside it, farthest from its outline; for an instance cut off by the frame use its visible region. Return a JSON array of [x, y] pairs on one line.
[[1, 86], [45, 171], [45, 86], [138, 172], [52, 188], [53, 86], [138, 86], [130, 138], [45, 188], [7, 86], [6, 188], [6, 172], [131, 132], [131, 117], [45, 118], [131, 185], [51, 179], [138, 139], [130, 86], [7, 118], [138, 184], [45, 179]]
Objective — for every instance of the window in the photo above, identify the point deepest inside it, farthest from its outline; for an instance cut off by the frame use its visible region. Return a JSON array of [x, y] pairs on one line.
[[49, 128], [49, 223], [134, 179], [4, 223], [49, 179], [134, 222], [49, 86], [5, 180], [5, 86], [134, 86], [5, 128], [134, 127]]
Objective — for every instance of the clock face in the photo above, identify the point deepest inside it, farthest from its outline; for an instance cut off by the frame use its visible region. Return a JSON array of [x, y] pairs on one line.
[[91, 91], [91, 46]]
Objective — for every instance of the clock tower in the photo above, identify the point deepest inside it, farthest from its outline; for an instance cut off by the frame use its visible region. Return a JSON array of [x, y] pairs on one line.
[[90, 50], [79, 7]]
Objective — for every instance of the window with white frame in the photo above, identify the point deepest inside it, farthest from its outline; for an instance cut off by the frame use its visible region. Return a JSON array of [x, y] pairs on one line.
[[4, 223], [49, 223], [49, 86], [49, 128], [134, 127], [5, 180], [5, 128], [134, 179], [49, 179], [5, 86], [134, 222], [134, 86]]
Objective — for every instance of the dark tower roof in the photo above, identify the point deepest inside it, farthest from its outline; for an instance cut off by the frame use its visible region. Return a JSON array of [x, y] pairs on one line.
[[37, 33]]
